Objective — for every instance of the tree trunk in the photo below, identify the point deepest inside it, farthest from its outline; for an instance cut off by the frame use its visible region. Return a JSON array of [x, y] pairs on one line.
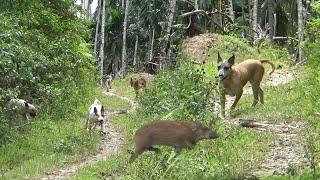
[[165, 33], [301, 29], [231, 10], [101, 55], [250, 12], [244, 34], [255, 20], [270, 20], [89, 8], [151, 47], [124, 40], [135, 56], [97, 28]]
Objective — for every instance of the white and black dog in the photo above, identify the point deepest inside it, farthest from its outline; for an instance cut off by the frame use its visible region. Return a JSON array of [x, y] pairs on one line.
[[22, 108], [95, 115]]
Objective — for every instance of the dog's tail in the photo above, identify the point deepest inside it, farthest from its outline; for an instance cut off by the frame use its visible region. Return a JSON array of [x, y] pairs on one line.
[[269, 62]]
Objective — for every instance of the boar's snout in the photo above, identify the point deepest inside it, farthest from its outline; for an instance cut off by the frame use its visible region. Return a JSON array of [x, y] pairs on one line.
[[213, 135]]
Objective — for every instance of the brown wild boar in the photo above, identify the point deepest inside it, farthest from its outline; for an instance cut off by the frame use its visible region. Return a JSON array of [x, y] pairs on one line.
[[178, 134]]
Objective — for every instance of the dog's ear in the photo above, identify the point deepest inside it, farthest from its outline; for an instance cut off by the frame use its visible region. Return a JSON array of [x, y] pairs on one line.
[[26, 104], [231, 60], [219, 58], [95, 111], [102, 110]]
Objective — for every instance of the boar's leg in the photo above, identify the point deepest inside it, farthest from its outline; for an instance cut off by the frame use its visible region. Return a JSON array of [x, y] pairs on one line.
[[157, 150], [177, 149], [139, 150]]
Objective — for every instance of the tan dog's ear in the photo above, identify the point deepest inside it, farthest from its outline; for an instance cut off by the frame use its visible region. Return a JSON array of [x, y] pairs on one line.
[[231, 60], [219, 58]]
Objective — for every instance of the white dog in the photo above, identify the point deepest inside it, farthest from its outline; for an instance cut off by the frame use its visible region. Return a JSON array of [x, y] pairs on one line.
[[95, 115], [108, 82], [21, 107]]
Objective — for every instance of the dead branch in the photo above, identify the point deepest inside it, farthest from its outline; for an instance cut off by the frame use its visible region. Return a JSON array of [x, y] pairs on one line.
[[204, 13], [291, 38], [250, 123], [149, 62]]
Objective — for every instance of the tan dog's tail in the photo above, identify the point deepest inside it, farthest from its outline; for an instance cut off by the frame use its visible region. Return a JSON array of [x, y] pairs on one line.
[[269, 62]]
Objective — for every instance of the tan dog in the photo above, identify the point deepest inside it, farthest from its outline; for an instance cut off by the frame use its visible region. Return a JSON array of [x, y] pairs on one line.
[[234, 77], [138, 83]]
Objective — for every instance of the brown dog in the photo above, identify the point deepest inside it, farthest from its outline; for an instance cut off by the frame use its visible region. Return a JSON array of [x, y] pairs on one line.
[[138, 83], [234, 77]]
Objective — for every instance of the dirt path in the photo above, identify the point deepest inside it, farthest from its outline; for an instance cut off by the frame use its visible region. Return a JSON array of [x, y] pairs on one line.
[[287, 151], [110, 145]]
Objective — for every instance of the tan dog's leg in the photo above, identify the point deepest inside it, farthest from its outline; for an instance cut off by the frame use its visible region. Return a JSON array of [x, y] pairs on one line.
[[255, 90], [223, 104], [261, 95], [238, 96]]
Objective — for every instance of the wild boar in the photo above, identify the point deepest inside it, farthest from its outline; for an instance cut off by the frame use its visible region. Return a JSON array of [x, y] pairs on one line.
[[178, 134]]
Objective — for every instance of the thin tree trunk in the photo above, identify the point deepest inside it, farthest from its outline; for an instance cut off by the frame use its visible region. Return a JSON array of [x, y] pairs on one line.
[[97, 27], [89, 8], [135, 56], [151, 47], [255, 20], [301, 28], [250, 12], [166, 32], [270, 20], [124, 40], [244, 35], [122, 4], [220, 14], [231, 10], [101, 55], [196, 7]]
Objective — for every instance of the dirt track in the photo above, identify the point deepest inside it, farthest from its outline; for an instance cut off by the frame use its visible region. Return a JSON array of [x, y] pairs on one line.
[[110, 145]]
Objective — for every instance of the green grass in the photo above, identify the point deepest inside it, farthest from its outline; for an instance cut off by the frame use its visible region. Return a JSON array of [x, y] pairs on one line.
[[51, 142]]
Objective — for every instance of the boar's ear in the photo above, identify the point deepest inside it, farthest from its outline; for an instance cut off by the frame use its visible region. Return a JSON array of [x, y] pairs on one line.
[[219, 58], [194, 126], [231, 60]]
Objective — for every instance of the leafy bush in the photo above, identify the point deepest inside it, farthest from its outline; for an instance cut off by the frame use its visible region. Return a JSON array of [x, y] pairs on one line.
[[182, 93], [44, 57]]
